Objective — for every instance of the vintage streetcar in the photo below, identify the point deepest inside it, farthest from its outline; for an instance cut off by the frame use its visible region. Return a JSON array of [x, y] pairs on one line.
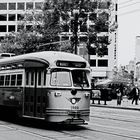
[[49, 85]]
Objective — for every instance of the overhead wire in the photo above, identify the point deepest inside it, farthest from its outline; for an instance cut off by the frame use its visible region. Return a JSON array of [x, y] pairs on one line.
[[129, 5], [129, 12], [122, 3]]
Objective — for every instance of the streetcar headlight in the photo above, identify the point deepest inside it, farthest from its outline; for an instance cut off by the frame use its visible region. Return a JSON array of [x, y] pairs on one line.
[[58, 94], [11, 97], [73, 101]]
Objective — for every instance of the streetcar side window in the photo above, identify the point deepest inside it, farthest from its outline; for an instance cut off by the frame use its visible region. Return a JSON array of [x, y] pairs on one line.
[[45, 77], [13, 80], [27, 78], [7, 80], [19, 79], [1, 80], [32, 78], [39, 78]]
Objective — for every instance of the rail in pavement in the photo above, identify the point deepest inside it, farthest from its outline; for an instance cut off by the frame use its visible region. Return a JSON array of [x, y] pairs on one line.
[[125, 104]]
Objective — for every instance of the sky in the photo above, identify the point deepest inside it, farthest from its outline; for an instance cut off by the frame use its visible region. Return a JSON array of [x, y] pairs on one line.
[[128, 29]]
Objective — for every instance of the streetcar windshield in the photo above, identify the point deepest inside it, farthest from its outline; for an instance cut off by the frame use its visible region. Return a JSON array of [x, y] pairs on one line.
[[60, 77], [80, 78]]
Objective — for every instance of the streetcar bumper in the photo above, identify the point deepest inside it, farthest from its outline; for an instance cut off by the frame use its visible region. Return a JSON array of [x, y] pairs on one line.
[[67, 116]]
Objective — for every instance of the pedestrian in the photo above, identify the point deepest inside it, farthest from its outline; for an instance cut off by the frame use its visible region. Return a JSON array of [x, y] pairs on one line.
[[135, 95], [119, 96]]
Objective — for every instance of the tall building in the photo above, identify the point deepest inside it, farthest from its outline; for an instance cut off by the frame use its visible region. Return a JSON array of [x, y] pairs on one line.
[[11, 13], [137, 59]]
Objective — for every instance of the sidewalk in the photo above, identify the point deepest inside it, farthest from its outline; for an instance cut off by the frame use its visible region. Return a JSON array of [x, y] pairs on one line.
[[125, 104]]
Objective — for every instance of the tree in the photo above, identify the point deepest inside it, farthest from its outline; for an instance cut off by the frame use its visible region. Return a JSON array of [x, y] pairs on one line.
[[49, 24], [66, 10]]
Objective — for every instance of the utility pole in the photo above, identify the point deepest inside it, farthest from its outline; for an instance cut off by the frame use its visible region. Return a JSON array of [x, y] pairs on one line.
[[75, 23]]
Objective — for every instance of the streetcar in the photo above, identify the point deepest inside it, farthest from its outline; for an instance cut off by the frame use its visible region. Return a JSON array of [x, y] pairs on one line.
[[49, 85]]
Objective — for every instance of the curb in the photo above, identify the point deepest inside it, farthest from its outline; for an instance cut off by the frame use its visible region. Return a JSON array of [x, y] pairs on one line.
[[115, 107]]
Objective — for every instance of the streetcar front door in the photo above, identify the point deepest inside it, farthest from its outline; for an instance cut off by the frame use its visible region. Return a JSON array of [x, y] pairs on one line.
[[34, 95]]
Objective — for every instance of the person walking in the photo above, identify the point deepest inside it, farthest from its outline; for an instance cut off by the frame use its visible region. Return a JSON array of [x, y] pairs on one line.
[[119, 96], [135, 94]]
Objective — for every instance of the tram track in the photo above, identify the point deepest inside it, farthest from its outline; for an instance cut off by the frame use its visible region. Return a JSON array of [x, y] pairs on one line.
[[114, 134], [64, 133], [67, 132]]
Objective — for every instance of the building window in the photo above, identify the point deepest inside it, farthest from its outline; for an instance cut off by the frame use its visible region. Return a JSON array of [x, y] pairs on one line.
[[103, 39], [12, 6], [20, 27], [104, 5], [116, 19], [94, 5], [83, 28], [20, 17], [3, 17], [64, 38], [3, 28], [20, 6], [93, 16], [83, 39], [12, 17], [92, 51], [38, 5], [92, 39], [3, 6], [104, 16], [102, 63], [65, 28], [93, 63], [11, 28], [29, 5], [28, 27], [116, 7], [56, 38]]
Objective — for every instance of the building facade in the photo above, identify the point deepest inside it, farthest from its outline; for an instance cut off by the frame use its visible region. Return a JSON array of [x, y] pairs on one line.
[[12, 11], [11, 14], [137, 59]]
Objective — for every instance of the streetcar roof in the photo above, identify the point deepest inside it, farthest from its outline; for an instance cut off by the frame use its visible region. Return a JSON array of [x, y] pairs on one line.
[[48, 58]]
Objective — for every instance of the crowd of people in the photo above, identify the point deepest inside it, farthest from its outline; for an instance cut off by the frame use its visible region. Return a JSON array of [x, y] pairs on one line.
[[133, 94], [120, 92]]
